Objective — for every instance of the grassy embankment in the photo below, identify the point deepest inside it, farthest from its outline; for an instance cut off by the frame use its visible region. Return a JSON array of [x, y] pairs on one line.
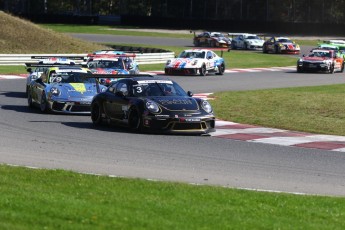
[[34, 199]]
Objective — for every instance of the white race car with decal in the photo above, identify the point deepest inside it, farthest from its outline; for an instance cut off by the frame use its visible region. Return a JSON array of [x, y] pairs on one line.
[[196, 61]]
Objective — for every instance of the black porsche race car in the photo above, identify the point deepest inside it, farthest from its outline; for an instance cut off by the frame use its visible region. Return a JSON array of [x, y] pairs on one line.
[[147, 103]]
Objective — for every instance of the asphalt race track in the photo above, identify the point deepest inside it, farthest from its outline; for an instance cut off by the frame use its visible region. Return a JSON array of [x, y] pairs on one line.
[[71, 142]]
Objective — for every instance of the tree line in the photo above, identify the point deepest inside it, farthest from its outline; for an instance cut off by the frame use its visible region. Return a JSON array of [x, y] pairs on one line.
[[296, 11]]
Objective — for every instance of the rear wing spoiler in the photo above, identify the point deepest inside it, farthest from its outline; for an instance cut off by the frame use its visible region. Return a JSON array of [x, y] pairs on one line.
[[52, 56], [90, 75], [110, 55], [52, 65]]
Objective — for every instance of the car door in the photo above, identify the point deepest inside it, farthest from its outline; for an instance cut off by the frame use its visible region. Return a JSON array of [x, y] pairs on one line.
[[240, 41], [116, 104], [270, 44], [38, 86], [210, 62]]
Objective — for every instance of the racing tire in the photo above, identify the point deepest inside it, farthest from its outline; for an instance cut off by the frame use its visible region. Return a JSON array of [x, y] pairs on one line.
[[221, 69], [233, 46], [213, 44], [202, 70], [30, 103], [44, 103], [135, 121], [264, 49], [245, 46], [96, 114], [331, 69], [299, 70], [342, 67], [276, 49]]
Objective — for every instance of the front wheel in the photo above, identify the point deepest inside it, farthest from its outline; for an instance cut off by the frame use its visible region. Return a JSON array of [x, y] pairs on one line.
[[30, 104], [221, 69], [276, 49], [331, 69], [44, 103], [135, 120], [202, 70], [264, 49], [96, 114]]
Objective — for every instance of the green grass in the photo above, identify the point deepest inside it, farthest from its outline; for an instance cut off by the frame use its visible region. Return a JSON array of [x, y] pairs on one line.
[[317, 109], [56, 199]]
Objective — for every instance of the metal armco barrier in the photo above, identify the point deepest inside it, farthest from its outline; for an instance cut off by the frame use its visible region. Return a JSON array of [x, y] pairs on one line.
[[145, 58]]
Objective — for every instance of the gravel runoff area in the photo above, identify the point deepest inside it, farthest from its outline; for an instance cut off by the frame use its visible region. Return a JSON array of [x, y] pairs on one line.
[[300, 37]]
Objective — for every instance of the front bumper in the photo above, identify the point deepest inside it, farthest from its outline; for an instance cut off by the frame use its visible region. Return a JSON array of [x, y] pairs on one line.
[[182, 71], [313, 67], [287, 51], [70, 107], [180, 125]]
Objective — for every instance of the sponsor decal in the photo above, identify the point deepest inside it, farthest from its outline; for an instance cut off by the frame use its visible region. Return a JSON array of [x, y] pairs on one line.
[[154, 81], [79, 87], [176, 102], [190, 119]]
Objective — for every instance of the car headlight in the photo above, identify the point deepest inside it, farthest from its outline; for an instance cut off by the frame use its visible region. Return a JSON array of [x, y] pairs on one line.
[[195, 62], [152, 106], [206, 106], [55, 91], [168, 62]]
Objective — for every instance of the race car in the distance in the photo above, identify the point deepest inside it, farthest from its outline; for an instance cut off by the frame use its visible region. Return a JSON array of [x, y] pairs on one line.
[[212, 39], [280, 45], [247, 41], [43, 63], [321, 60], [195, 61], [64, 89], [110, 64], [152, 104]]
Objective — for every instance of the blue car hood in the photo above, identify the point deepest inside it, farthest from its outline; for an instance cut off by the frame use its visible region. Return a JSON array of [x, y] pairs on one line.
[[78, 89]]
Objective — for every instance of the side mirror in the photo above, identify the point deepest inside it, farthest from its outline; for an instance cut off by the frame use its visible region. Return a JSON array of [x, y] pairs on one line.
[[190, 94]]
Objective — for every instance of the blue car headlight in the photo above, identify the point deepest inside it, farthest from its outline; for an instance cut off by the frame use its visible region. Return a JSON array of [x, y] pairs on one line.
[[55, 91], [206, 106], [152, 106]]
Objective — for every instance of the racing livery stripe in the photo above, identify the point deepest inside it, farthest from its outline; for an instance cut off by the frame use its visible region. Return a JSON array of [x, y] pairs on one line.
[[79, 87]]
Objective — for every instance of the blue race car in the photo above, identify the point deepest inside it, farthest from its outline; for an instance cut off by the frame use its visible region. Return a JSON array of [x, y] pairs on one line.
[[64, 89]]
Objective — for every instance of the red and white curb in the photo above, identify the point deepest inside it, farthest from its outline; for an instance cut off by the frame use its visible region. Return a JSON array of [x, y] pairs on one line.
[[251, 70], [257, 134], [10, 76]]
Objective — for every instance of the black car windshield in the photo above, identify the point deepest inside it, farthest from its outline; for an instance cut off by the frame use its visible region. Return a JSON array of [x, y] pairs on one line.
[[284, 40], [71, 77], [320, 54], [191, 54], [150, 88], [108, 64], [253, 37]]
